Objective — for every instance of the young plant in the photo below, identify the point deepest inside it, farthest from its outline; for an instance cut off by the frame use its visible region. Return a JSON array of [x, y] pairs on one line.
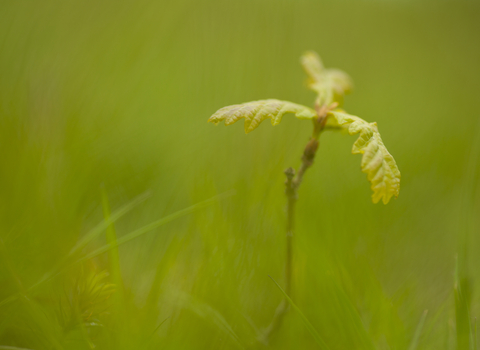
[[330, 85]]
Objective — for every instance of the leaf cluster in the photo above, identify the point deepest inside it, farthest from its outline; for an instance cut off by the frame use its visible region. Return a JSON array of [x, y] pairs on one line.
[[330, 85]]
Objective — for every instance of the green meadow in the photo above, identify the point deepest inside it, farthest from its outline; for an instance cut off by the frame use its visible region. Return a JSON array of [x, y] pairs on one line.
[[129, 222]]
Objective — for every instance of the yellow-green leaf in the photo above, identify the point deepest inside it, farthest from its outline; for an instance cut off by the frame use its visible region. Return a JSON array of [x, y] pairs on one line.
[[257, 111], [330, 84], [377, 162]]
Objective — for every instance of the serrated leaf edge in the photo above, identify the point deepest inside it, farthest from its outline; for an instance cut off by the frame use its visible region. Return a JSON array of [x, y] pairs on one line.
[[255, 112], [379, 165]]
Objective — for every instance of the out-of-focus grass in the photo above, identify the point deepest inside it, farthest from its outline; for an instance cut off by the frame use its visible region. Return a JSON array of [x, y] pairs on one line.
[[117, 94]]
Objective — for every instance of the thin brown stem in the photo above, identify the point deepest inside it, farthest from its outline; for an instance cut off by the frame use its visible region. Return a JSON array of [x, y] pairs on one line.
[[292, 183]]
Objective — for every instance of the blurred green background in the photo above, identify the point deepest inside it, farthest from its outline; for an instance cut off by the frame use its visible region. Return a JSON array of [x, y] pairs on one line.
[[105, 101]]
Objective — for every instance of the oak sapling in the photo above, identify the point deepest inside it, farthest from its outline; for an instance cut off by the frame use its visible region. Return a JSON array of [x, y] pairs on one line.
[[330, 85]]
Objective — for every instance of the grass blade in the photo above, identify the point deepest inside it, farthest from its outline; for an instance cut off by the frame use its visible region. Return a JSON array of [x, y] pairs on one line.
[[354, 318], [101, 227], [122, 240], [210, 314], [152, 226], [318, 339], [96, 231], [113, 256], [418, 331], [475, 336], [111, 237], [462, 312]]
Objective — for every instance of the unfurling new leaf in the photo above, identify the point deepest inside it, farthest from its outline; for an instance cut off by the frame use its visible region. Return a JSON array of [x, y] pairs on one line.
[[330, 84], [257, 111], [377, 162]]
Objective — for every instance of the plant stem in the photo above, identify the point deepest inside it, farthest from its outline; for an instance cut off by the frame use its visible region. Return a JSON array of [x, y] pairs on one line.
[[293, 182]]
